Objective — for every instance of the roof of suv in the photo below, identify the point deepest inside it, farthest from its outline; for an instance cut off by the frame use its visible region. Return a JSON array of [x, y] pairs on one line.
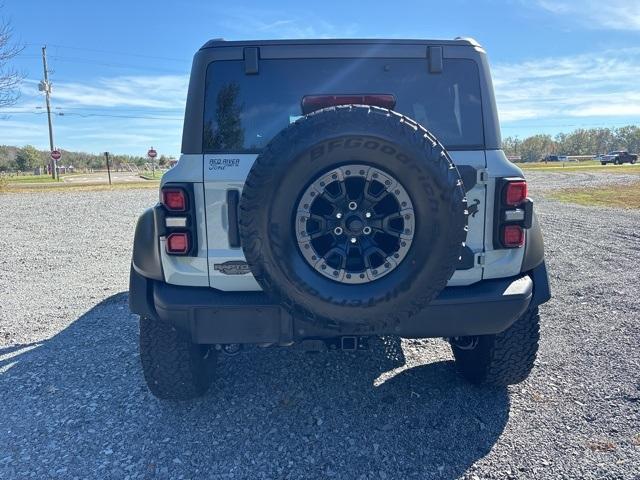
[[220, 42]]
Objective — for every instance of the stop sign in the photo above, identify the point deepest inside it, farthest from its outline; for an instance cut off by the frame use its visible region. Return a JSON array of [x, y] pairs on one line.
[[152, 153], [56, 155]]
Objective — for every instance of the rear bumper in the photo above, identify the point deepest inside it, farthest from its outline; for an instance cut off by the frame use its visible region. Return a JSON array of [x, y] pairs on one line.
[[212, 316]]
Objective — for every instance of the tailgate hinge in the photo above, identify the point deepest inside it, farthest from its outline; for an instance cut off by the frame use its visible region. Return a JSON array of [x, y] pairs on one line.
[[483, 176], [251, 60], [480, 259]]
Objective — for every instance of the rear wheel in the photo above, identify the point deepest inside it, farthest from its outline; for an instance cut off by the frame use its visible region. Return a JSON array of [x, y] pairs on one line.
[[502, 359], [173, 366]]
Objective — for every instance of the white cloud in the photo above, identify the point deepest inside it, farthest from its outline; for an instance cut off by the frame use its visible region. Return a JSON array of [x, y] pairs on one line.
[[156, 92], [600, 84], [252, 23], [93, 135], [19, 132], [605, 14], [120, 114]]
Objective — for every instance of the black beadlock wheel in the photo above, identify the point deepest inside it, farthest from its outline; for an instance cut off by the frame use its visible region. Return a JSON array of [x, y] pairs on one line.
[[353, 215], [355, 224]]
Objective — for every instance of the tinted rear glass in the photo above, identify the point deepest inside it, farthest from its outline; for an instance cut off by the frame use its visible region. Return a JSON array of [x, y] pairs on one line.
[[243, 112]]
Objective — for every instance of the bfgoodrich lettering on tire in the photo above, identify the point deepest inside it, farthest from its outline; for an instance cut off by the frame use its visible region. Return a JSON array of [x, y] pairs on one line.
[[353, 214]]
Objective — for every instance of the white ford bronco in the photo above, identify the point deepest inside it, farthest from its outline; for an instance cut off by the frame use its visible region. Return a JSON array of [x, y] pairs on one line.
[[330, 191]]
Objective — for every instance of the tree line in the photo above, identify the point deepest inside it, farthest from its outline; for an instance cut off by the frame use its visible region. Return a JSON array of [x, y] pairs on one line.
[[591, 141], [29, 158]]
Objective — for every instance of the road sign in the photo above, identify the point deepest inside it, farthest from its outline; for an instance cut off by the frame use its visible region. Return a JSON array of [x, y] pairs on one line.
[[152, 153], [56, 155]]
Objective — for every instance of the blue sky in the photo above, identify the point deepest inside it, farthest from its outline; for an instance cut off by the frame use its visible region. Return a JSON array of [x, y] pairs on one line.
[[120, 69]]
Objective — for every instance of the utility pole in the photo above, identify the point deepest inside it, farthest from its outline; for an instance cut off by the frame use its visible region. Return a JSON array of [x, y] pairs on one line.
[[46, 87]]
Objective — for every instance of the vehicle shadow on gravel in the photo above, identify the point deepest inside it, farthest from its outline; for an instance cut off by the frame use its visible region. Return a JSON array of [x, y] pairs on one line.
[[76, 405]]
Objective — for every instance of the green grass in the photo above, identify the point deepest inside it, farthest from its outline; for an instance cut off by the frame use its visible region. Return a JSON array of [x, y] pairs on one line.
[[586, 166], [532, 165], [29, 179], [620, 196], [77, 187]]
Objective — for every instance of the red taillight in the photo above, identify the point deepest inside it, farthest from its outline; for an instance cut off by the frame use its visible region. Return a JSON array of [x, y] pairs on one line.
[[311, 103], [512, 236], [174, 199], [515, 193], [178, 243]]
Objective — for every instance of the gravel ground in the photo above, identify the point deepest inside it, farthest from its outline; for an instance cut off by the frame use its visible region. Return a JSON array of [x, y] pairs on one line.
[[74, 404], [543, 181]]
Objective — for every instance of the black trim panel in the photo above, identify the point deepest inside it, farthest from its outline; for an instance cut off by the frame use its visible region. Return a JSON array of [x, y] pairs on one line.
[[233, 200]]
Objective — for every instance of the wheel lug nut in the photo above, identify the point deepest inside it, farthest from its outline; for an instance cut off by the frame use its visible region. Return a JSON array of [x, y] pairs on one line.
[[353, 240], [337, 231], [338, 215], [366, 230], [353, 205]]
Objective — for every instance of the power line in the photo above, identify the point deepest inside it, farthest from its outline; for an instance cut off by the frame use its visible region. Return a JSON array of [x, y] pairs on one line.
[[88, 61], [86, 115], [128, 54], [176, 109]]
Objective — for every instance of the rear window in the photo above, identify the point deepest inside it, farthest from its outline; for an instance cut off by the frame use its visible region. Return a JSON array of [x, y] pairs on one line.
[[244, 112]]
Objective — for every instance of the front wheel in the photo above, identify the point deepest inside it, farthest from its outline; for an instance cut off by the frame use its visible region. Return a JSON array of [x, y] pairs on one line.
[[501, 359], [174, 367]]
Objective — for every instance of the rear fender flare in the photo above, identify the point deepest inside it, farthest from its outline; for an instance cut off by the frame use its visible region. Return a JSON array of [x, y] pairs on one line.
[[146, 244]]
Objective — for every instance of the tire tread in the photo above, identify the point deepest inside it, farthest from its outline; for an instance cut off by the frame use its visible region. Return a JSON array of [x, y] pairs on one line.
[[506, 358], [173, 366]]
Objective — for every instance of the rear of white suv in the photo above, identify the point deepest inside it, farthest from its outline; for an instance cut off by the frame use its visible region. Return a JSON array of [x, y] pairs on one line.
[[216, 263]]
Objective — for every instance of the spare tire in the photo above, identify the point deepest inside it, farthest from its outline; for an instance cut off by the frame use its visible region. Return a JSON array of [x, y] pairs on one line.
[[353, 215]]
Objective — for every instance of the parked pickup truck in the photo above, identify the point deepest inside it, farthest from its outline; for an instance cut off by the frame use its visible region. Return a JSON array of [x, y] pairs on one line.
[[618, 158]]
